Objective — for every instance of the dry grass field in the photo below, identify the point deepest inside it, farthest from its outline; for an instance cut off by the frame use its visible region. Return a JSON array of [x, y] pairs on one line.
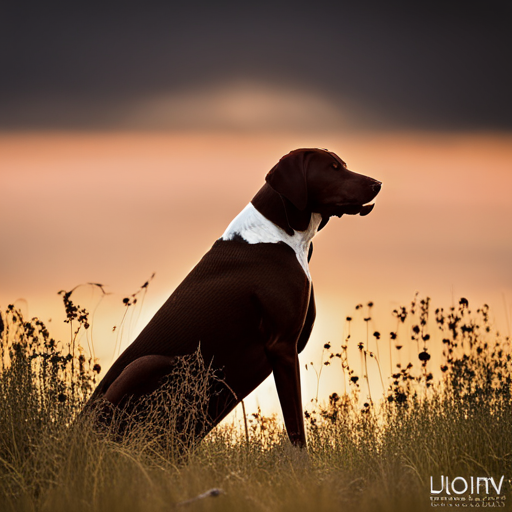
[[433, 431]]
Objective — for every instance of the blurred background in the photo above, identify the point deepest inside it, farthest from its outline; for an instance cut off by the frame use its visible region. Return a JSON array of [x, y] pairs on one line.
[[131, 134]]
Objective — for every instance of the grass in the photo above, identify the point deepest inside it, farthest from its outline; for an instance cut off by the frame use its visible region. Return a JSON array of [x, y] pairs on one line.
[[366, 453]]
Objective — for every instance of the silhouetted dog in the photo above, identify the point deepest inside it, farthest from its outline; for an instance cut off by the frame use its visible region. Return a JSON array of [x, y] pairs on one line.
[[249, 303]]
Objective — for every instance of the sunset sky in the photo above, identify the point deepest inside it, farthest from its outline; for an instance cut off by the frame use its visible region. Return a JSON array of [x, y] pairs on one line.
[[129, 139]]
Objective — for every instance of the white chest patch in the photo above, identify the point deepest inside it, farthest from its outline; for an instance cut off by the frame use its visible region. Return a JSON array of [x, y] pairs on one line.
[[255, 228]]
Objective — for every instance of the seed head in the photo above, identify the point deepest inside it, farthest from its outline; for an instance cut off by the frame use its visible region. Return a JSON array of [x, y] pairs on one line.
[[424, 356]]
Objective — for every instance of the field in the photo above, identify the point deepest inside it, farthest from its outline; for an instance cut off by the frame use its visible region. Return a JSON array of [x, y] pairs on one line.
[[436, 430]]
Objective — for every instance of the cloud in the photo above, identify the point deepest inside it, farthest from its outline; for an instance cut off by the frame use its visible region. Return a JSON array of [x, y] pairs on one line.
[[244, 105], [411, 66]]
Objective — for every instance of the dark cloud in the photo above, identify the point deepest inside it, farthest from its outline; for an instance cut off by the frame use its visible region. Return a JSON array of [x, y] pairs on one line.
[[442, 65]]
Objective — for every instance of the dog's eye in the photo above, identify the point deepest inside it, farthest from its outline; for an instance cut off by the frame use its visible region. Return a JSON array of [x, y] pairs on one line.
[[335, 165]]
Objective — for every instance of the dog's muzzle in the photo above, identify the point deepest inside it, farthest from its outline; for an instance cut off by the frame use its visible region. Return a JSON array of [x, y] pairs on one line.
[[367, 208]]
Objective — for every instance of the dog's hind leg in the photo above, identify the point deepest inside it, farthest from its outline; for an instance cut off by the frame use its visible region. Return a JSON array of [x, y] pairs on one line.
[[140, 377]]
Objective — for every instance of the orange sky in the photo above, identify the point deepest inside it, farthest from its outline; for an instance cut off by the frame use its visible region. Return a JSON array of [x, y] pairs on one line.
[[114, 207]]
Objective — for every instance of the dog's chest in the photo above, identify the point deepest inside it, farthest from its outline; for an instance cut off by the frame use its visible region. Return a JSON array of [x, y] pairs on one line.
[[255, 228]]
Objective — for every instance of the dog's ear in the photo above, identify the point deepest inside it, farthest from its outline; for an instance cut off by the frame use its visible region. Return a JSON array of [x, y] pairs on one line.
[[288, 178]]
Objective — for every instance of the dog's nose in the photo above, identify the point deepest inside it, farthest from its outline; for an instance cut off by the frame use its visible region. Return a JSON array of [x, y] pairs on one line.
[[376, 186]]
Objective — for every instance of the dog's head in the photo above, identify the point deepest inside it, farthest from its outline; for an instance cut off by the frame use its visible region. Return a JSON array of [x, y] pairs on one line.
[[317, 180]]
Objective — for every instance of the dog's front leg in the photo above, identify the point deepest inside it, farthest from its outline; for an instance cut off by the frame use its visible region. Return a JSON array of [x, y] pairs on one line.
[[285, 364]]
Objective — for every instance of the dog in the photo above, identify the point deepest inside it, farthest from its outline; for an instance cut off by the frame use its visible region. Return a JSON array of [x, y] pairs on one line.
[[249, 305]]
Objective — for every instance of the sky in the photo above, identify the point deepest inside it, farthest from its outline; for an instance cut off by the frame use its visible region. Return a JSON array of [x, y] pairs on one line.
[[423, 65], [131, 135]]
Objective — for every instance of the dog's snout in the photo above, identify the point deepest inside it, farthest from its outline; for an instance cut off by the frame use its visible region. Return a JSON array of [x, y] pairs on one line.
[[376, 186]]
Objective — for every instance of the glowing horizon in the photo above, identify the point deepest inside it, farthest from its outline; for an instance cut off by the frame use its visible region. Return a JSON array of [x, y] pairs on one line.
[[114, 207]]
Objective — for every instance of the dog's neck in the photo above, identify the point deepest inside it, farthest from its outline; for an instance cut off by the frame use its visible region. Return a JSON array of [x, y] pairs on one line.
[[280, 210], [254, 226]]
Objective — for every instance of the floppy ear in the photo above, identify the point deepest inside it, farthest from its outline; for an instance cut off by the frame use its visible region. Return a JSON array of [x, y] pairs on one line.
[[288, 178]]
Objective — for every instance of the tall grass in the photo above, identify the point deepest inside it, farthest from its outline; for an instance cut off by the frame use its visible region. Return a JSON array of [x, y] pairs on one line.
[[366, 453]]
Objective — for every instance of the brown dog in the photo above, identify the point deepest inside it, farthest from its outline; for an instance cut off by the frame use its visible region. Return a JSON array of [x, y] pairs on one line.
[[249, 303]]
